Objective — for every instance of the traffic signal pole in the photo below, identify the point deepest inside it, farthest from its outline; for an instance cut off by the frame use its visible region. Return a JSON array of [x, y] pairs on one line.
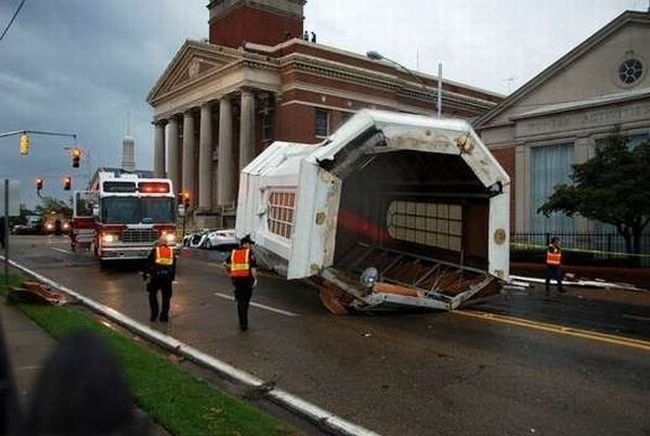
[[38, 132], [6, 229]]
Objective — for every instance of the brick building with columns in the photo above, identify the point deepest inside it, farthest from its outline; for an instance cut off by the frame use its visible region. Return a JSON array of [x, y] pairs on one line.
[[220, 103]]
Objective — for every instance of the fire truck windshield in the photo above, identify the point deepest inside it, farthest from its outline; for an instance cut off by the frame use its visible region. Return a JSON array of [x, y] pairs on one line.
[[132, 210]]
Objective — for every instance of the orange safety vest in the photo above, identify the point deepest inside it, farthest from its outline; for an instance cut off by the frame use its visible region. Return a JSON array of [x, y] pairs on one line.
[[553, 256], [240, 266], [164, 256]]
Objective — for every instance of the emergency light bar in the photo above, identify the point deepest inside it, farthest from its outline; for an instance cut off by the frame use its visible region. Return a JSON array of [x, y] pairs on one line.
[[153, 187]]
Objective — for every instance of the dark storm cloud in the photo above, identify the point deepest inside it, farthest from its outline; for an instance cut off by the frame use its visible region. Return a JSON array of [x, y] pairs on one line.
[[80, 65]]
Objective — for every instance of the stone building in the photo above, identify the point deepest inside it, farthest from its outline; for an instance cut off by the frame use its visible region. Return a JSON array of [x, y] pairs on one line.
[[558, 118], [220, 103]]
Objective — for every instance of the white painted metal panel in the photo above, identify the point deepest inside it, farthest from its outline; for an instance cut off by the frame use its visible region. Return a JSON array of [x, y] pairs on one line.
[[283, 165], [316, 215], [499, 235]]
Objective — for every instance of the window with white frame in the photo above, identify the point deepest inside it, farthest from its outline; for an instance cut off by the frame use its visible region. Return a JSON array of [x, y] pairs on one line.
[[322, 122], [281, 207], [550, 165], [433, 224], [631, 71]]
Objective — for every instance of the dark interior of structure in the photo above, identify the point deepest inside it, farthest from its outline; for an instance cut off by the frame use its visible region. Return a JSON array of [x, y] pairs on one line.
[[405, 203]]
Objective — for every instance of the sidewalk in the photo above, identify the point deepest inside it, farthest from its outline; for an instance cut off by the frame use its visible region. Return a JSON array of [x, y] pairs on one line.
[[636, 276], [28, 347]]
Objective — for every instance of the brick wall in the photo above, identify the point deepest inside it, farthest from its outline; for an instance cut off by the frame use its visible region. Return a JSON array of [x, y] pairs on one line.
[[246, 24]]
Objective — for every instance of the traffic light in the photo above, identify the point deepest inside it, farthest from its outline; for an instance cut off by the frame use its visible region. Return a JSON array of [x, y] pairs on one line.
[[76, 157], [24, 144], [186, 199], [39, 184], [67, 183]]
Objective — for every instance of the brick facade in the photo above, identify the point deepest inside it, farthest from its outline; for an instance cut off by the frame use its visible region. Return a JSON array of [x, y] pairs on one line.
[[247, 24]]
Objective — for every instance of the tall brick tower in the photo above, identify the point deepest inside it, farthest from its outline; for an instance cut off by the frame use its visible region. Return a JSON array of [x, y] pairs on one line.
[[269, 22]]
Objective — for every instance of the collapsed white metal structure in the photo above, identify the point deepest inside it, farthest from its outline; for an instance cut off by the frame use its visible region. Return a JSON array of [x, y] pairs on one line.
[[422, 200]]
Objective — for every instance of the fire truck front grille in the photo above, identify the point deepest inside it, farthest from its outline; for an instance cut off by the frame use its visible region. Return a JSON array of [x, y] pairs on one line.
[[139, 236]]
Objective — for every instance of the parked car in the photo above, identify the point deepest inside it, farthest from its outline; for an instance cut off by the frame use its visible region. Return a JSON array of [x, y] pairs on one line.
[[33, 226], [222, 240], [196, 239]]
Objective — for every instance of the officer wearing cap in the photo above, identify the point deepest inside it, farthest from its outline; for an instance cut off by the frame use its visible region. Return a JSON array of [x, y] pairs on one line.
[[160, 269], [554, 265], [242, 267]]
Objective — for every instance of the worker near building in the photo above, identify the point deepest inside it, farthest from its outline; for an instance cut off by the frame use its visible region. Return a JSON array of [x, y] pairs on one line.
[[160, 270], [242, 268], [554, 265]]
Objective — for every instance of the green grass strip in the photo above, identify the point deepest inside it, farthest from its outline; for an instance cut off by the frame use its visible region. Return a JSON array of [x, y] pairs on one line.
[[180, 402]]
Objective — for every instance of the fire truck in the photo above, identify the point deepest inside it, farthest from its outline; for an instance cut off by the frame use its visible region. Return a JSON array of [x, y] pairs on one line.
[[123, 215]]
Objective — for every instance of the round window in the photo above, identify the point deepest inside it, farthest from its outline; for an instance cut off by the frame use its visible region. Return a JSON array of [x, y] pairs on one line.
[[630, 71]]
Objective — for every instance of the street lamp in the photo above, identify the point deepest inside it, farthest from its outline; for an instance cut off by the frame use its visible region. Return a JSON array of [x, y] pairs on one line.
[[376, 56]]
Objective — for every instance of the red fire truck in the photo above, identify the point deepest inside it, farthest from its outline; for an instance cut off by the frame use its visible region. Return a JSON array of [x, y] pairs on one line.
[[122, 215]]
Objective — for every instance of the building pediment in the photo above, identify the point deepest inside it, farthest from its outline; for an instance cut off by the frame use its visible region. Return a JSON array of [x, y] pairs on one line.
[[193, 61], [589, 71]]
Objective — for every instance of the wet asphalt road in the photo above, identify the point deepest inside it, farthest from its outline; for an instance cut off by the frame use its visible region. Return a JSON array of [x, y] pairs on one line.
[[400, 374]]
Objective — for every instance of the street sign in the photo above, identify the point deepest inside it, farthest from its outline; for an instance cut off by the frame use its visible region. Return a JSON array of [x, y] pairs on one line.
[[14, 198]]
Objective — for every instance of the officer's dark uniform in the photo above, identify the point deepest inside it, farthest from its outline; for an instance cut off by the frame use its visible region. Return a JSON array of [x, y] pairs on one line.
[[241, 264], [553, 265], [161, 269]]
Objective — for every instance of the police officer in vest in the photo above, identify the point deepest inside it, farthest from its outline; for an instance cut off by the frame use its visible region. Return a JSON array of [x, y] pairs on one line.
[[161, 272], [242, 266], [553, 265]]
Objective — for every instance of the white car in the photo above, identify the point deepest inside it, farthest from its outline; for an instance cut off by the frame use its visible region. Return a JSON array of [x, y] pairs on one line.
[[197, 240], [221, 240]]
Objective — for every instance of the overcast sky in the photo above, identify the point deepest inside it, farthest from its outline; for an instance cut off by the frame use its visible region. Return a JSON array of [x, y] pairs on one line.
[[81, 66]]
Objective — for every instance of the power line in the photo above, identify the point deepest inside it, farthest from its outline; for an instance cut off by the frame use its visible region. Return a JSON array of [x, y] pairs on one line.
[[20, 6]]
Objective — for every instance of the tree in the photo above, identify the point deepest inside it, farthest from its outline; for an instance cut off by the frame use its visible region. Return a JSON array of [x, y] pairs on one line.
[[612, 187], [51, 204]]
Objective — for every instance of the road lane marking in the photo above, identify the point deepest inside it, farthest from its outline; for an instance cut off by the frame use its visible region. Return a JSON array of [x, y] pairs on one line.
[[310, 411], [61, 250], [261, 306], [555, 328]]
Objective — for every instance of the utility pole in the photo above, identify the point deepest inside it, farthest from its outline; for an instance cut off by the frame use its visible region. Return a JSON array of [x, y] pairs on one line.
[[439, 89]]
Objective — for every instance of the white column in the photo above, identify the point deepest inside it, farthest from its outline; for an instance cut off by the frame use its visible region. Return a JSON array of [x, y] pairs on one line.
[[226, 165], [247, 129], [188, 155], [174, 157], [205, 158], [159, 149]]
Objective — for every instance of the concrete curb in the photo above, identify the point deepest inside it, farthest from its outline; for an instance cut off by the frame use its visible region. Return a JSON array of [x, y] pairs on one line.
[[319, 416]]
